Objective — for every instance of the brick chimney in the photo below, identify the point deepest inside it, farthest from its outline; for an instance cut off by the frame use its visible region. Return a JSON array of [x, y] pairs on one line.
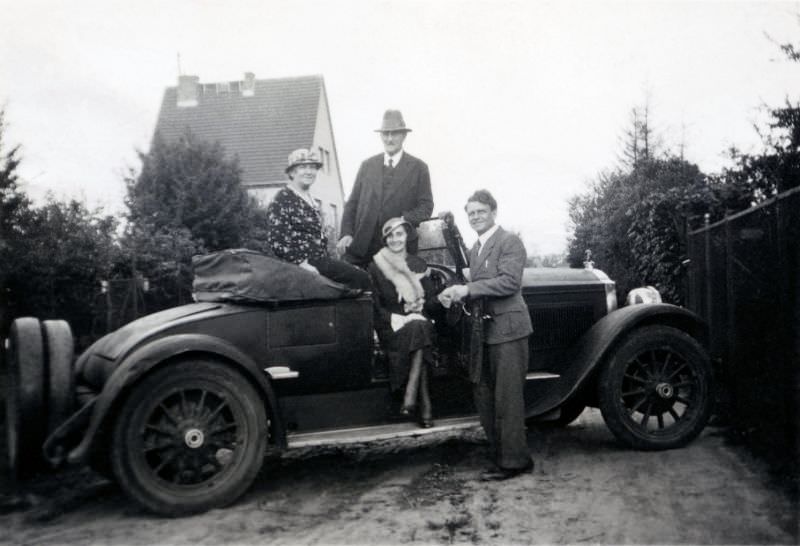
[[249, 84], [187, 90]]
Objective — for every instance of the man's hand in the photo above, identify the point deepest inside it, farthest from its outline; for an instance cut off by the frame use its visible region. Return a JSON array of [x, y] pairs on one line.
[[344, 242], [308, 267], [452, 294], [445, 299]]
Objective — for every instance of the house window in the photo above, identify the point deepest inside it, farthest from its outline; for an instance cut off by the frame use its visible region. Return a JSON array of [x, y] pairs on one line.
[[335, 220], [327, 161], [224, 87], [321, 152]]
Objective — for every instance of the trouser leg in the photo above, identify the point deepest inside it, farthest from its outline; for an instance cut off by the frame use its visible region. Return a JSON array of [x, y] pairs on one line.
[[509, 362], [483, 393], [342, 272]]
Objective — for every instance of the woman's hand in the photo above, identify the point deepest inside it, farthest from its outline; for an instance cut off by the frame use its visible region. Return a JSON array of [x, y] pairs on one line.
[[344, 242], [414, 306], [308, 267]]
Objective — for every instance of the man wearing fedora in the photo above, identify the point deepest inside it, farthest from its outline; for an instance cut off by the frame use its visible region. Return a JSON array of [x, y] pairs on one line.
[[388, 185]]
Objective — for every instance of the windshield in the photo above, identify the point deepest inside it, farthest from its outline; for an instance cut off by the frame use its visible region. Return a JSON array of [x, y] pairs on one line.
[[433, 246]]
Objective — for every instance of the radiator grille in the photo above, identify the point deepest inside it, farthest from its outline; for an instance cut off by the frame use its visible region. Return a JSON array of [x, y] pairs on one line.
[[560, 325]]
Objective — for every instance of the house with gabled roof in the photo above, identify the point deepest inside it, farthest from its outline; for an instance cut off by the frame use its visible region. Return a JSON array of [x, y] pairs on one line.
[[261, 122]]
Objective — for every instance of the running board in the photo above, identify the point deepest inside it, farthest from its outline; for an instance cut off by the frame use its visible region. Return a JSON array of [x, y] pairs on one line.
[[377, 432], [533, 376]]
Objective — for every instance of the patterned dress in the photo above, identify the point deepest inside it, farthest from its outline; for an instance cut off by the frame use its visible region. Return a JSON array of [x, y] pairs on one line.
[[295, 231]]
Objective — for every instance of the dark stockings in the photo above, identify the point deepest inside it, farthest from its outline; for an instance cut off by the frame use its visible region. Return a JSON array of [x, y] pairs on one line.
[[417, 387]]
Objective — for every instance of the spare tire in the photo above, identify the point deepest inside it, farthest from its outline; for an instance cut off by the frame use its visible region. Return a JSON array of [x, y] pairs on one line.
[[60, 349], [25, 401]]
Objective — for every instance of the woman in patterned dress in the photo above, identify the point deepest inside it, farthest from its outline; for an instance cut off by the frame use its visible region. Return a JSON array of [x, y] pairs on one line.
[[295, 229]]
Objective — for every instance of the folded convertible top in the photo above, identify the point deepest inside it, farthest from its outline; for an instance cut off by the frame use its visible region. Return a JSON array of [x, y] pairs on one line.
[[242, 275]]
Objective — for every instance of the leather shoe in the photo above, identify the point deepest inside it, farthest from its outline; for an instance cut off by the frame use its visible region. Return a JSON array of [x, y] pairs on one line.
[[499, 473], [425, 423], [396, 414]]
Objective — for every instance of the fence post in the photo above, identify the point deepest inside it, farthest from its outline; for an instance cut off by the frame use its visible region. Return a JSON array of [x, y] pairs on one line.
[[109, 310], [707, 273]]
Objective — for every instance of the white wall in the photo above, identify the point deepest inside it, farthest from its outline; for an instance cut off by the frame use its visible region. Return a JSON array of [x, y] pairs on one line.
[[328, 187]]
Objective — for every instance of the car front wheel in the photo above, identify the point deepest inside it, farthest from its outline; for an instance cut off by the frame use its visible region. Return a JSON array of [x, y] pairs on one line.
[[190, 437], [655, 389]]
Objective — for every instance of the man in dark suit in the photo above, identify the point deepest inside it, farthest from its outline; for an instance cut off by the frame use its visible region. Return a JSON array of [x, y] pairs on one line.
[[388, 185], [496, 264]]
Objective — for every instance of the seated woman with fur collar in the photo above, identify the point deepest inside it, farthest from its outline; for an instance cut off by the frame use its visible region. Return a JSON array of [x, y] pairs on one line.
[[404, 299]]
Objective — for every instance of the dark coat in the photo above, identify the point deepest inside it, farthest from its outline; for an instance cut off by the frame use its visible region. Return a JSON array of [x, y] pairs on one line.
[[385, 300], [414, 335], [369, 206]]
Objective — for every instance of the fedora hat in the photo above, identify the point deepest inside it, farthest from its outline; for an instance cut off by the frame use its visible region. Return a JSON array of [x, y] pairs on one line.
[[393, 121], [302, 156]]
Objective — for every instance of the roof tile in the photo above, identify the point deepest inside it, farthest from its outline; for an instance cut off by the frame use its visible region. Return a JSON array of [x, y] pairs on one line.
[[261, 129]]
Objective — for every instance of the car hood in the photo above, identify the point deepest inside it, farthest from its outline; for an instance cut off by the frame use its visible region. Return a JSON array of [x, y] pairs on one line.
[[559, 276]]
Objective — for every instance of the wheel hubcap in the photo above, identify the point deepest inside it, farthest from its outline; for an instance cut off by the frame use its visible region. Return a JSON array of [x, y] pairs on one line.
[[194, 438], [664, 390], [660, 390], [191, 436]]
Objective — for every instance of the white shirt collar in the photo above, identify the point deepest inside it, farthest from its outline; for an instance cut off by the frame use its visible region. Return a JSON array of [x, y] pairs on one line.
[[395, 158], [486, 234]]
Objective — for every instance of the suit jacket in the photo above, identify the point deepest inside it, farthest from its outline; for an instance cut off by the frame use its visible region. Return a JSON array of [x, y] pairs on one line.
[[496, 275], [369, 206]]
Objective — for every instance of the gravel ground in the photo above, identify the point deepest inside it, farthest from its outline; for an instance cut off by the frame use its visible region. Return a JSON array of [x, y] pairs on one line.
[[585, 489]]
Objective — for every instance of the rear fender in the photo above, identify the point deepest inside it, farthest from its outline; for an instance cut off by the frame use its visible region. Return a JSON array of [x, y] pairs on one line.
[[144, 359], [599, 342]]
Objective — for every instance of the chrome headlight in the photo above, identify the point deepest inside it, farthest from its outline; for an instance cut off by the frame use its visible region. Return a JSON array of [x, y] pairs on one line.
[[643, 294]]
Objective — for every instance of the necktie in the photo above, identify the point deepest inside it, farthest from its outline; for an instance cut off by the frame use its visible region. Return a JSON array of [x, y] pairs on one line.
[[391, 163]]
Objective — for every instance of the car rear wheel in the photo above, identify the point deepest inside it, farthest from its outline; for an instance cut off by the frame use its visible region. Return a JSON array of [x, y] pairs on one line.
[[190, 437], [655, 389], [25, 400]]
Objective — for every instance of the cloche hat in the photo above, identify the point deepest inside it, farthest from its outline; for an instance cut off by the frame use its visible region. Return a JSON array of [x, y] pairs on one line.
[[392, 223], [302, 156]]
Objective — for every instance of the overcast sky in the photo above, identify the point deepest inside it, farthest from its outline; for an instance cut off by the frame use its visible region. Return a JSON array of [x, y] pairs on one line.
[[528, 99]]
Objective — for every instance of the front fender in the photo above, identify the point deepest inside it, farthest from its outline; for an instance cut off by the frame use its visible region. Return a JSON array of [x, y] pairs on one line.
[[136, 364], [599, 341]]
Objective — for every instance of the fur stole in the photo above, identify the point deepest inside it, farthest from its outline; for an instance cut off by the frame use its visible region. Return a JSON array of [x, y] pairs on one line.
[[406, 282]]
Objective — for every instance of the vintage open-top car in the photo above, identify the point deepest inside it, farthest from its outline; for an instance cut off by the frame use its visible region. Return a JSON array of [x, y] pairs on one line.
[[179, 407]]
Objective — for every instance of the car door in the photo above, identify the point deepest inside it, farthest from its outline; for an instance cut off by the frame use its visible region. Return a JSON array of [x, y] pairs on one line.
[[328, 343]]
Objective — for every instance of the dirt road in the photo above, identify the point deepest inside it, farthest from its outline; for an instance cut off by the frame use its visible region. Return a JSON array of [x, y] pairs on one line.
[[585, 489]]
